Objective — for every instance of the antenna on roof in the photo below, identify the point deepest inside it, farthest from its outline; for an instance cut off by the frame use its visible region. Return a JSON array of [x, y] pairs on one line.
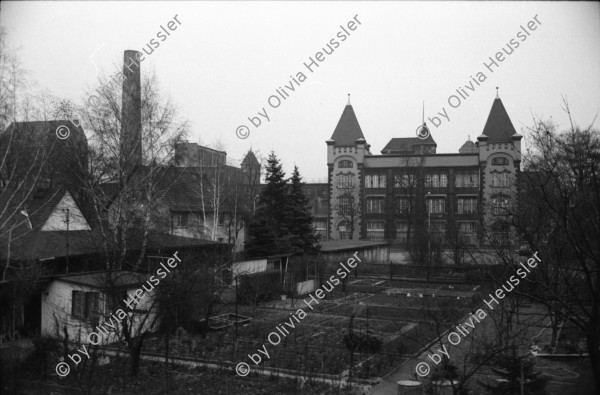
[[423, 112], [349, 99], [497, 95]]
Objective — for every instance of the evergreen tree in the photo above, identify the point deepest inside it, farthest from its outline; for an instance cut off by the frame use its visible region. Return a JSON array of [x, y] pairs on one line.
[[268, 232], [510, 376], [299, 219], [261, 239]]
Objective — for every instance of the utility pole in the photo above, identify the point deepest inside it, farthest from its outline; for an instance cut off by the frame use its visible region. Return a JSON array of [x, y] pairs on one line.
[[67, 213]]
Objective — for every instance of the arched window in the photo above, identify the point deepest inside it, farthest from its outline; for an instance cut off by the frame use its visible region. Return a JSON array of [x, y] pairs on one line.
[[499, 161], [345, 164]]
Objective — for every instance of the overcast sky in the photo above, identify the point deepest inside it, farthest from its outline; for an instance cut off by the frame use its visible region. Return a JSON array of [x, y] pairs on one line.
[[225, 60]]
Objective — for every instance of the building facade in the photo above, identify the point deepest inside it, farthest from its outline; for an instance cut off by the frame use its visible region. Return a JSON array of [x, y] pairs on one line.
[[411, 190]]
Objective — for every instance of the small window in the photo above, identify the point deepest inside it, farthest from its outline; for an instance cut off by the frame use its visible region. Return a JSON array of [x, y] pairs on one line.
[[375, 205], [345, 205], [499, 161], [466, 205], [500, 205], [345, 164], [375, 181], [436, 180], [403, 205], [344, 228], [375, 231], [500, 180], [180, 220], [345, 181], [85, 305], [436, 205]]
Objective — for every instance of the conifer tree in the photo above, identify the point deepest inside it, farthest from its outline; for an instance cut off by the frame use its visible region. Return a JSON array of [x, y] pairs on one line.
[[303, 235], [268, 232]]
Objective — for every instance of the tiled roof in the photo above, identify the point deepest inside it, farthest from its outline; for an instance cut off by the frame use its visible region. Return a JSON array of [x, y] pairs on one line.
[[498, 127], [406, 144], [347, 130]]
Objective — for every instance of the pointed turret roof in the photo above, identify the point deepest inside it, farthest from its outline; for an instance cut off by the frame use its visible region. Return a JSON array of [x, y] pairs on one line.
[[250, 159], [347, 130], [498, 127]]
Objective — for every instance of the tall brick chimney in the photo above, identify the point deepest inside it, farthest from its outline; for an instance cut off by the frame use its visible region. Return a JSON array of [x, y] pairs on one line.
[[131, 113]]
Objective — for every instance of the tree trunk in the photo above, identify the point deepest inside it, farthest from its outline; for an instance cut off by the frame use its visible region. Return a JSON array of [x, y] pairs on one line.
[[593, 343], [136, 351]]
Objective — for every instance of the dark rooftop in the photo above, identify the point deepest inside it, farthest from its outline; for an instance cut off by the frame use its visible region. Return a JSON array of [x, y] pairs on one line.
[[498, 127], [347, 130]]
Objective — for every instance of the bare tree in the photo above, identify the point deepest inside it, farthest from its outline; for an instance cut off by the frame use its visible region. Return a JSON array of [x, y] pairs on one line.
[[560, 219], [347, 207]]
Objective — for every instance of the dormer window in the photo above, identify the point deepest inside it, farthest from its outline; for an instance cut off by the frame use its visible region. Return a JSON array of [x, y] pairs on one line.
[[499, 162]]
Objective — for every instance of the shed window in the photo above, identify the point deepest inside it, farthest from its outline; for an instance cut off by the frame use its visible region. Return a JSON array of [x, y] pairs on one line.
[[85, 305]]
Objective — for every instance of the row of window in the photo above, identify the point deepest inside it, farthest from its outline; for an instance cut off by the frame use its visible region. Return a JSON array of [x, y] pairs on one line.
[[432, 180], [340, 150], [375, 230], [437, 205], [376, 205]]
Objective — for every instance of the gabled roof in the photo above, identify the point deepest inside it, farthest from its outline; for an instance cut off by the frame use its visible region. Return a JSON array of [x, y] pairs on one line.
[[498, 127], [57, 219], [347, 130], [406, 144]]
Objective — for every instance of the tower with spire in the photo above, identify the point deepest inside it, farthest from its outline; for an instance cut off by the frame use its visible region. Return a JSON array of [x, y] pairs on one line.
[[499, 148], [346, 152], [251, 169]]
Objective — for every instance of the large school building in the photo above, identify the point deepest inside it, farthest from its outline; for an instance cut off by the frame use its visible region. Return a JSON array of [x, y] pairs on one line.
[[410, 190]]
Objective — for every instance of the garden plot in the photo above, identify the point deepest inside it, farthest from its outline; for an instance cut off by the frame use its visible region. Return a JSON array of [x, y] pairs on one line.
[[317, 343]]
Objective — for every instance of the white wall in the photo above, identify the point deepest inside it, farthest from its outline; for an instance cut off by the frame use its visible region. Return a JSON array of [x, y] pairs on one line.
[[56, 314], [58, 219], [249, 267]]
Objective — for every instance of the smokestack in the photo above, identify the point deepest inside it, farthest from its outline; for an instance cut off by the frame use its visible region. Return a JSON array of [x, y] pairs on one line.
[[131, 112]]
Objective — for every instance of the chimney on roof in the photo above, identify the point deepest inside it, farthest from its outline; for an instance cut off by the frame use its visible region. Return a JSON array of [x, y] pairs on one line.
[[131, 112]]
